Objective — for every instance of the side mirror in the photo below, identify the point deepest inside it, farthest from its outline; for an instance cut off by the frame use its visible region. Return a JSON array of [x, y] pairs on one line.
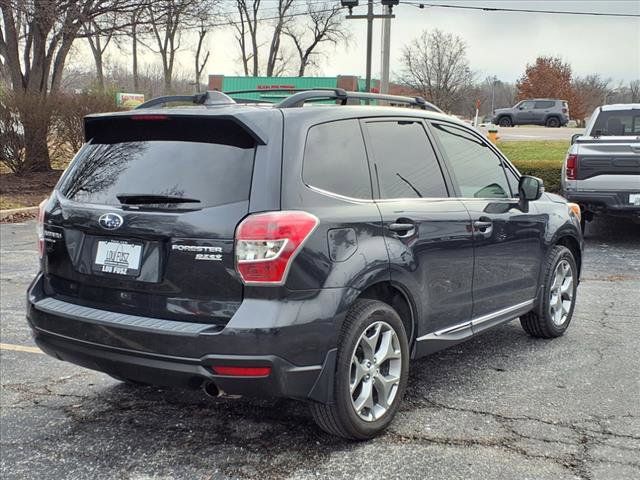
[[574, 137], [520, 107], [529, 189]]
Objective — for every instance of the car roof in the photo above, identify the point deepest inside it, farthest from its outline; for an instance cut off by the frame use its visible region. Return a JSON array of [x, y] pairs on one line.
[[336, 112], [620, 106]]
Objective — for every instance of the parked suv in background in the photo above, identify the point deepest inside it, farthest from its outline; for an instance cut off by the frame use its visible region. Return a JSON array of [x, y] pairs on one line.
[[602, 169], [539, 111], [306, 253]]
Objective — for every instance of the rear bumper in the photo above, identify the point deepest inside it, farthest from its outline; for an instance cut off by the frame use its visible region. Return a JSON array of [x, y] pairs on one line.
[[165, 352], [613, 203]]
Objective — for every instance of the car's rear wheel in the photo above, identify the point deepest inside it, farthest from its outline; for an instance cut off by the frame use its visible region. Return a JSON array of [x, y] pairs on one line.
[[371, 373], [552, 122], [552, 316], [505, 122]]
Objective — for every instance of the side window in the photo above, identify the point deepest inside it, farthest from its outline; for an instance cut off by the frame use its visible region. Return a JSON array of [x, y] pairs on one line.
[[404, 161], [477, 169], [527, 105], [335, 159], [544, 104]]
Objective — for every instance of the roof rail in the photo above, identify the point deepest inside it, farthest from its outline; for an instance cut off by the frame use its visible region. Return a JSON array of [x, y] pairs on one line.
[[210, 97], [299, 99]]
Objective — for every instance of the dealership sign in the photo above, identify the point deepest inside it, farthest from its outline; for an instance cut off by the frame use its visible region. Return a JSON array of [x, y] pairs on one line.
[[129, 100]]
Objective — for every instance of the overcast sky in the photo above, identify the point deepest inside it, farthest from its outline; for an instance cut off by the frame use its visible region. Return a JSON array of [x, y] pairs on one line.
[[499, 43]]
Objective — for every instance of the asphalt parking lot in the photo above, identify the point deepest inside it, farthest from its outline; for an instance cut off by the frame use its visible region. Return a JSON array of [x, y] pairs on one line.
[[503, 406]]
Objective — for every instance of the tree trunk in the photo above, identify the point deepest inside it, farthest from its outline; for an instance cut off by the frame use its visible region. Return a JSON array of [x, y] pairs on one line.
[[136, 77], [35, 121]]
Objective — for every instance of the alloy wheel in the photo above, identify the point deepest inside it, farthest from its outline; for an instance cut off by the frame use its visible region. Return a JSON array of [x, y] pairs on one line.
[[561, 293], [376, 366]]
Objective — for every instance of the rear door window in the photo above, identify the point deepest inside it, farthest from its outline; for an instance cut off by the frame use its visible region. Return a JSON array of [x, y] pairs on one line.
[[543, 104], [209, 162], [404, 160], [335, 159]]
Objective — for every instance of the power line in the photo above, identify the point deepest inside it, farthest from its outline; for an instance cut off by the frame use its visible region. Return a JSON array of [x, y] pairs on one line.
[[520, 10]]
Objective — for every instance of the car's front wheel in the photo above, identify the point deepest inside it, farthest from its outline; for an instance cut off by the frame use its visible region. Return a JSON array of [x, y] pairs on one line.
[[553, 314], [371, 373]]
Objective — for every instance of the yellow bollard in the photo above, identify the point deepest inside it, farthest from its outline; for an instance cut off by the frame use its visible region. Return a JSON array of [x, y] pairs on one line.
[[493, 135]]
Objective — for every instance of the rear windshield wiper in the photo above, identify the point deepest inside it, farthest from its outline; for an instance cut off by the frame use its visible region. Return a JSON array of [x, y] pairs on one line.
[[152, 199]]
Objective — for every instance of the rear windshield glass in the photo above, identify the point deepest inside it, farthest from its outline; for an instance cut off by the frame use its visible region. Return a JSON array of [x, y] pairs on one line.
[[621, 122], [206, 162]]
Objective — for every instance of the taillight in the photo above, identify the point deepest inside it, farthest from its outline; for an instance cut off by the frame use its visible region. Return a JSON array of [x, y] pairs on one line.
[[564, 110], [266, 244], [40, 227], [149, 118], [572, 167], [242, 371]]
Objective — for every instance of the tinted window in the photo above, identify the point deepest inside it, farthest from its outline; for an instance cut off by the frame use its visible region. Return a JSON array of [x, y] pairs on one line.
[[335, 159], [621, 122], [477, 169], [545, 104], [151, 158], [404, 160]]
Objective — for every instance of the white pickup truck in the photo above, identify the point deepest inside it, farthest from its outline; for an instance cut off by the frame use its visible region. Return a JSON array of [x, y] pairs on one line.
[[602, 170]]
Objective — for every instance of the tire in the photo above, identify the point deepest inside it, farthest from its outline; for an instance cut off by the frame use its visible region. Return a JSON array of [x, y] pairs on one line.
[[341, 418], [505, 122], [552, 122], [544, 321]]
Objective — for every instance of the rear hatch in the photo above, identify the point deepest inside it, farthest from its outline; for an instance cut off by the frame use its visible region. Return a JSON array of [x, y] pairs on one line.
[[144, 218]]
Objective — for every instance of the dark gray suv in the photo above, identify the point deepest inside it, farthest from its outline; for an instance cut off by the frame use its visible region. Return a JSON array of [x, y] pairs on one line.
[[306, 252], [539, 111]]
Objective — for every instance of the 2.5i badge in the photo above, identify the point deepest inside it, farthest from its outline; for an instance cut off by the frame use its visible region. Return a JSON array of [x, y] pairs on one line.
[[203, 252]]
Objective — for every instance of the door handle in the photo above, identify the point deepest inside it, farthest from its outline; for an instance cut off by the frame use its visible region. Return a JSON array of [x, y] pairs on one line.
[[402, 229], [483, 226]]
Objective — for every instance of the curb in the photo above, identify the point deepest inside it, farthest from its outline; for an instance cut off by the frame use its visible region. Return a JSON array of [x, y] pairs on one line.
[[4, 214]]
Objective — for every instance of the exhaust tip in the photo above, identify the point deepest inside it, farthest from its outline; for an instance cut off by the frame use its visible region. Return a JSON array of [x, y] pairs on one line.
[[211, 389]]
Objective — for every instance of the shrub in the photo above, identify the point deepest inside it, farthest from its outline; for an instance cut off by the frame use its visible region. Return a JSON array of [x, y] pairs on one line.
[[67, 127], [12, 145], [548, 171]]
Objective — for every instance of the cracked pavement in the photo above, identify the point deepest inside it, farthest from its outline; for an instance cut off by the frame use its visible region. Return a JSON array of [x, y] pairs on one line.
[[501, 406]]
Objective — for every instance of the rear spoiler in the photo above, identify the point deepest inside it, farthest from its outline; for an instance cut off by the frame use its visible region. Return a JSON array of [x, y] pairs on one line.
[[93, 124]]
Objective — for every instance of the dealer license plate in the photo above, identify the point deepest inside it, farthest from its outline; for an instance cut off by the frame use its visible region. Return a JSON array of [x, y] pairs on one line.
[[634, 199], [120, 258]]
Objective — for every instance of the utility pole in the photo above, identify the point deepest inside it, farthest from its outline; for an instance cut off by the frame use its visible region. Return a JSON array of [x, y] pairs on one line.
[[386, 50], [369, 17], [494, 80]]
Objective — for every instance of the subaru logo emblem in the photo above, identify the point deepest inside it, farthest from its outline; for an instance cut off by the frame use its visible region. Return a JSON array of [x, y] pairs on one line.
[[110, 221]]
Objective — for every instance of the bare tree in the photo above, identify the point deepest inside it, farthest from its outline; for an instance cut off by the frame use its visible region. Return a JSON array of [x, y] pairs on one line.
[[98, 42], [436, 65], [248, 25], [202, 33], [590, 91], [167, 19], [634, 91], [283, 18], [323, 24], [35, 39]]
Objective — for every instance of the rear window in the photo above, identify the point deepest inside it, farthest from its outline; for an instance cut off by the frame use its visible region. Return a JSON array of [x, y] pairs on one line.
[[208, 160], [621, 122]]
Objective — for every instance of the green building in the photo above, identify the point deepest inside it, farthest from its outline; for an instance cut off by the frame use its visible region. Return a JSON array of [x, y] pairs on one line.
[[266, 85]]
